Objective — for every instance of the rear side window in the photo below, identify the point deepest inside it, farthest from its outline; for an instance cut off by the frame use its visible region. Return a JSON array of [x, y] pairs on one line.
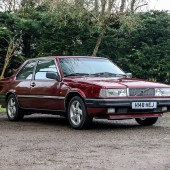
[[44, 67], [27, 71]]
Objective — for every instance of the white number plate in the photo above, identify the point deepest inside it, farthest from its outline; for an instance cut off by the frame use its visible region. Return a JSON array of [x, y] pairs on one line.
[[144, 105]]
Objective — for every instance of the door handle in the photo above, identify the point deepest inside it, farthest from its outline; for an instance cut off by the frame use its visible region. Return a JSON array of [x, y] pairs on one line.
[[32, 84]]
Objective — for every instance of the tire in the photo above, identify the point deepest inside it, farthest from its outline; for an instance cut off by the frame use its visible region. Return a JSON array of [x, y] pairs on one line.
[[146, 121], [77, 114], [13, 111]]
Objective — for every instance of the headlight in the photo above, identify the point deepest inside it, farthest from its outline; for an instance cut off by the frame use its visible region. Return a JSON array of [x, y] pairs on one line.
[[162, 92], [113, 92]]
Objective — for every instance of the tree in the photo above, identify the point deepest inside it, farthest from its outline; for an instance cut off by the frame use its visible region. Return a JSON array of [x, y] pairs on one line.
[[9, 5], [13, 44], [143, 51], [138, 42], [102, 12]]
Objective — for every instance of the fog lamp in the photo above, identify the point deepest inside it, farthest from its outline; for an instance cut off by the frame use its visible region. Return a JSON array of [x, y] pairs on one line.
[[111, 110], [164, 108]]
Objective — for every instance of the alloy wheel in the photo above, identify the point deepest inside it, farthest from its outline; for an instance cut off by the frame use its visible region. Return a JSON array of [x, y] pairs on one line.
[[76, 112], [12, 108]]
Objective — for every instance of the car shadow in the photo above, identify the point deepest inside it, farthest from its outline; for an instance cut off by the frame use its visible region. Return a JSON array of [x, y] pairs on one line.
[[47, 120], [118, 125], [97, 123]]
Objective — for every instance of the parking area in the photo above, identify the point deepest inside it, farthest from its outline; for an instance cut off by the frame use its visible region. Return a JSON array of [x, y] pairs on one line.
[[44, 142]]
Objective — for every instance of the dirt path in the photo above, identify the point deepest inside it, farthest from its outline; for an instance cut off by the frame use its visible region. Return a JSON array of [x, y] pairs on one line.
[[47, 142]]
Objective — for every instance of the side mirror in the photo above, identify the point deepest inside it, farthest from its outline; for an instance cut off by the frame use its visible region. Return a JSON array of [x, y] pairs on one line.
[[53, 76], [129, 75]]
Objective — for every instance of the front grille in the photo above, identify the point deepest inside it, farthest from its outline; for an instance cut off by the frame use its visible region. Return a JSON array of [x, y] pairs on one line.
[[142, 92]]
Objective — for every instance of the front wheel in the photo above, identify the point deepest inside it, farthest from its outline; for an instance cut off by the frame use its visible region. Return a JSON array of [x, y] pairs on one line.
[[146, 121], [13, 110], [77, 114]]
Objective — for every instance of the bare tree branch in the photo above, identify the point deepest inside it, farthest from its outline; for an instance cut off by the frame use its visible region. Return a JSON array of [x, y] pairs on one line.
[[140, 6], [132, 5]]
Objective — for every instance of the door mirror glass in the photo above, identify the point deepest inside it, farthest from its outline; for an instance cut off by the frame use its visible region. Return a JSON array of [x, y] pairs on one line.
[[53, 76]]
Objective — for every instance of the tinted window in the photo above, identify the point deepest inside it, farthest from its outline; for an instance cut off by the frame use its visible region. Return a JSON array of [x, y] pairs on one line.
[[43, 67], [88, 66], [27, 72]]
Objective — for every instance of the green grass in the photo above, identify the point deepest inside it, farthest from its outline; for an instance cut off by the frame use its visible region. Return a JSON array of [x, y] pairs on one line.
[[2, 110]]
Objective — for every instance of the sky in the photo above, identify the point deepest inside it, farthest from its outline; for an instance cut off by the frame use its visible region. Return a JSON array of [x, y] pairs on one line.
[[159, 4]]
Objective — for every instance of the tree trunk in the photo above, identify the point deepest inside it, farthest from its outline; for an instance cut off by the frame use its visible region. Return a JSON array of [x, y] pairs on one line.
[[100, 37], [13, 45], [132, 6], [4, 68], [102, 29], [110, 6], [26, 45], [96, 7], [7, 59], [122, 6]]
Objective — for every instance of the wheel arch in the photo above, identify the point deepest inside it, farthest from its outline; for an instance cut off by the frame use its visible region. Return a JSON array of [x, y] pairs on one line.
[[70, 95], [10, 93]]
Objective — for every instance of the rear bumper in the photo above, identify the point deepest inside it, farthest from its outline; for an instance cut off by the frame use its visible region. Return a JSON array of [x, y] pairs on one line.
[[123, 108]]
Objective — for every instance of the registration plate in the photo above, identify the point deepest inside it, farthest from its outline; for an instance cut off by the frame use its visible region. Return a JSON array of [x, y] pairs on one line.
[[144, 105]]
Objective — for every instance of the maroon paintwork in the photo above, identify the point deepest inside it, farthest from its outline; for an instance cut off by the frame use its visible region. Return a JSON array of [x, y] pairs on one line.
[[52, 95]]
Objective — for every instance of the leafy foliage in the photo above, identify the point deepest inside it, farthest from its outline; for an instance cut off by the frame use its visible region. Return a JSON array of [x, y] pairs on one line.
[[144, 51], [143, 48]]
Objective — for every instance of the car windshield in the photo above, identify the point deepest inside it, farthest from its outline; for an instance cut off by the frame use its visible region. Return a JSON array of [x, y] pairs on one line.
[[89, 67]]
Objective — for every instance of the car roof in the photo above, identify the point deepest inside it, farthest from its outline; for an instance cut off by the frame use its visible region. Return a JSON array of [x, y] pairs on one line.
[[55, 57]]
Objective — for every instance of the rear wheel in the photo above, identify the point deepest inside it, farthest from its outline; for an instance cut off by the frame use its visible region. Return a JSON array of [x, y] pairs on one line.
[[146, 121], [13, 110], [77, 114]]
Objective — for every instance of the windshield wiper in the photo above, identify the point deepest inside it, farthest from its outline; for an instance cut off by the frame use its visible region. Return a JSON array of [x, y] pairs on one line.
[[108, 74], [76, 74], [119, 75]]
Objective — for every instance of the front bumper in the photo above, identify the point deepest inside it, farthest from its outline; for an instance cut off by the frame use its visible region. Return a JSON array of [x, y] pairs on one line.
[[123, 107], [124, 102]]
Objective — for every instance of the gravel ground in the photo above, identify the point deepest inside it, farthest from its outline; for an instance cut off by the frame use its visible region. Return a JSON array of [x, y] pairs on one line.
[[43, 142]]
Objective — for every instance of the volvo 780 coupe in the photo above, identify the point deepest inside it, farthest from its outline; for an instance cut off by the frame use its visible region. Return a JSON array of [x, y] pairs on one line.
[[82, 88]]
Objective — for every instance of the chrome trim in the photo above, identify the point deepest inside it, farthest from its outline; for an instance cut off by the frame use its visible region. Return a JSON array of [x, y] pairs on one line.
[[129, 99], [145, 92], [41, 97], [37, 60], [43, 110], [142, 91], [45, 59]]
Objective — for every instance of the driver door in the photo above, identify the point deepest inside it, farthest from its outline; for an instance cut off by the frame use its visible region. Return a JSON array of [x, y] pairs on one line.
[[44, 91]]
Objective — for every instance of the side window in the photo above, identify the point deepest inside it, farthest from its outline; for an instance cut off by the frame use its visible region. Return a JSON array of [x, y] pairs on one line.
[[27, 71], [43, 67]]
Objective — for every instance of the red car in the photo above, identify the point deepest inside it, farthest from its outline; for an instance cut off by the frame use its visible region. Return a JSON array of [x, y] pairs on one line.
[[82, 88]]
